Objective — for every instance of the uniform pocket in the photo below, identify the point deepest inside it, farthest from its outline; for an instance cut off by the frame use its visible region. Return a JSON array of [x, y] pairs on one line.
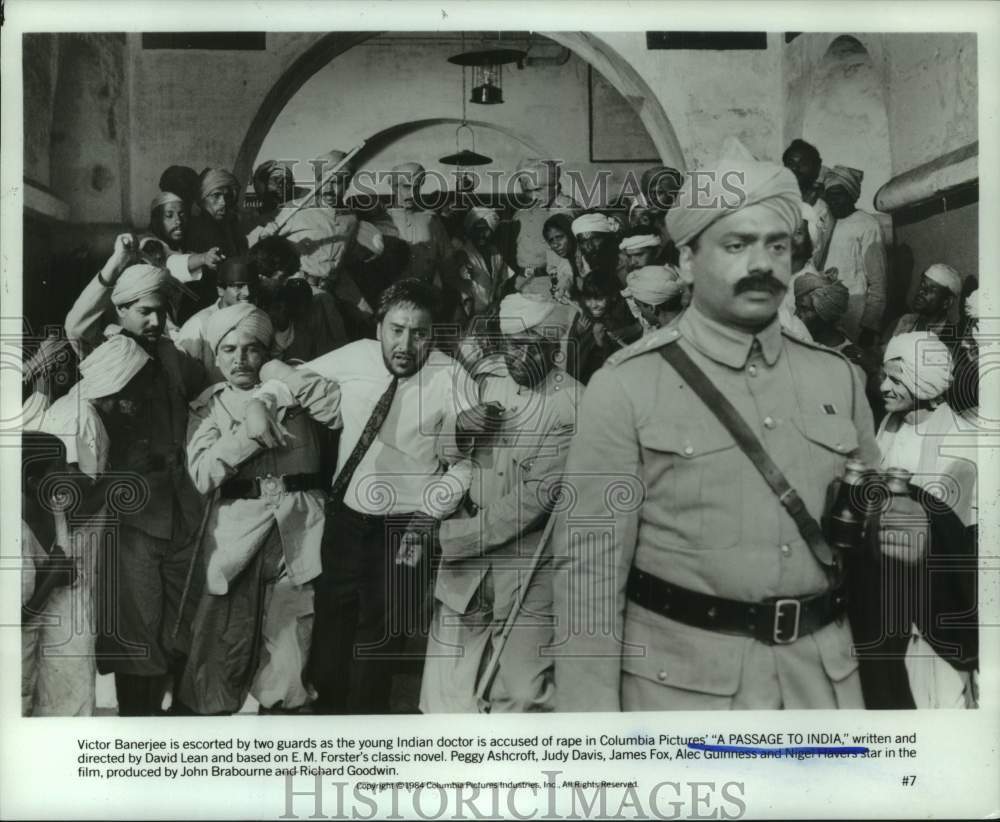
[[832, 439], [693, 477]]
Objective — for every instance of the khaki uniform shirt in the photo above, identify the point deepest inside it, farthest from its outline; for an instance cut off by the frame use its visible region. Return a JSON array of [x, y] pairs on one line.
[[659, 483], [430, 247]]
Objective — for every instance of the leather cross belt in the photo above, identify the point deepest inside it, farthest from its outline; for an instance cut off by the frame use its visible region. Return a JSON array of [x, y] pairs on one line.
[[777, 621]]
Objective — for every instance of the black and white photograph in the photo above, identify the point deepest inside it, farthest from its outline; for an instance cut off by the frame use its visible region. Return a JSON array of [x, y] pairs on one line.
[[386, 376]]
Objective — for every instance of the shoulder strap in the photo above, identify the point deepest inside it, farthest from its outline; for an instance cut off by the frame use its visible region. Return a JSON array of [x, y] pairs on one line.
[[724, 411]]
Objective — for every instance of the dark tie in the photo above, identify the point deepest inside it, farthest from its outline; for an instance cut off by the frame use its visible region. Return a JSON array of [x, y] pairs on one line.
[[371, 429]]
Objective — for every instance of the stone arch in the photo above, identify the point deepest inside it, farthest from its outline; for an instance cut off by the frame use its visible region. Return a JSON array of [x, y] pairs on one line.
[[605, 59]]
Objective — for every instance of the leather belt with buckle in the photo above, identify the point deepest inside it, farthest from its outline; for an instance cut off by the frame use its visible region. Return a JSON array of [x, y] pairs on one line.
[[778, 621], [269, 486]]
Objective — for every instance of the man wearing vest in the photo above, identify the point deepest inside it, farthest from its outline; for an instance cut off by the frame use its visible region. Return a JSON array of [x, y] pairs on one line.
[[701, 589]]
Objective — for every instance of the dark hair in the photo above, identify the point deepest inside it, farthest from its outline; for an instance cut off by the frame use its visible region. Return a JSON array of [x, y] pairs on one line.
[[273, 254], [807, 149], [156, 223], [596, 285], [182, 181], [410, 291], [564, 222]]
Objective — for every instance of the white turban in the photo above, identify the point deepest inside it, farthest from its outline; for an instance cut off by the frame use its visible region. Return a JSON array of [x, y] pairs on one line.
[[522, 312], [474, 215], [592, 223], [653, 285], [165, 197], [638, 241], [244, 316], [138, 281], [925, 362], [110, 367], [737, 180], [946, 276]]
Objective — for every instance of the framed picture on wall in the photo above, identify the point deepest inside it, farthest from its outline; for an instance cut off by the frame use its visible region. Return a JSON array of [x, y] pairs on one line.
[[617, 134]]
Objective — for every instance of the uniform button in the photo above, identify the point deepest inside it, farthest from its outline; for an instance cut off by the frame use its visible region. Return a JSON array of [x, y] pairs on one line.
[[786, 550], [839, 447], [688, 451], [769, 422], [662, 676], [752, 370]]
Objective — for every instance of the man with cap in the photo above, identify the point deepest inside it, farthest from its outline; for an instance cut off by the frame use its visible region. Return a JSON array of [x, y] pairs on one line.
[[682, 582], [253, 443], [940, 287], [236, 282], [540, 196], [422, 230], [487, 553], [60, 664], [147, 564], [597, 241], [655, 295], [857, 252]]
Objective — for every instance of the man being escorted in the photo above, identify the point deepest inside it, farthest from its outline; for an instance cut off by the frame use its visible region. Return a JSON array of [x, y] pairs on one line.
[[262, 540], [701, 590], [487, 557]]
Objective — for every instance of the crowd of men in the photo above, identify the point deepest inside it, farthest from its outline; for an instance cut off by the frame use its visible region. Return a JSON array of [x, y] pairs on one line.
[[552, 457]]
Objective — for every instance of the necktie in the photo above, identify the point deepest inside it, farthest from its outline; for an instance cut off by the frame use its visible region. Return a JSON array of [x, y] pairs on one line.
[[371, 429]]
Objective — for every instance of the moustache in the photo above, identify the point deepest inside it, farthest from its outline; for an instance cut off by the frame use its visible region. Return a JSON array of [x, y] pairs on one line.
[[759, 282]]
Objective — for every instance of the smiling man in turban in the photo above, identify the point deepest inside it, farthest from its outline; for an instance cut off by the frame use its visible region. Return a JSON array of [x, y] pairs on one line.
[[692, 529], [258, 447], [857, 251], [516, 466]]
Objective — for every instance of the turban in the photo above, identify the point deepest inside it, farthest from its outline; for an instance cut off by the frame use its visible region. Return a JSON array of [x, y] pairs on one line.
[[829, 295], [925, 362], [591, 223], [213, 179], [520, 312], [947, 276], [972, 305], [737, 181], [111, 366], [165, 197], [653, 285], [474, 215], [638, 241], [847, 178], [244, 316], [236, 270], [138, 281]]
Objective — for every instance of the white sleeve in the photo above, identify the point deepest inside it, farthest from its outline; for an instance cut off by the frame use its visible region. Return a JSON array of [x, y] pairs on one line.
[[177, 265]]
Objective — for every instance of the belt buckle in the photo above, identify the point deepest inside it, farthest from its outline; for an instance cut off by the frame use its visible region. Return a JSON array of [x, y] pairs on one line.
[[778, 636], [271, 488]]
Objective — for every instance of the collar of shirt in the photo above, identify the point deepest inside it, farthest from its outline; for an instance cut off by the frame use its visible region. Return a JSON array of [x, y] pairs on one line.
[[727, 345]]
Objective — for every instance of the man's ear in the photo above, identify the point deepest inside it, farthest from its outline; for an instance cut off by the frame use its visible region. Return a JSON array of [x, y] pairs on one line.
[[120, 310], [378, 332], [686, 264]]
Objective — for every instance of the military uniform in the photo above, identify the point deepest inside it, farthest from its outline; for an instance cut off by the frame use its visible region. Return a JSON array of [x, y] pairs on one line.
[[674, 496], [486, 555]]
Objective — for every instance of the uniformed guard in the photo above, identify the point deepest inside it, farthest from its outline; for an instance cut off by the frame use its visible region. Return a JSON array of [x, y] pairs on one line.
[[686, 582], [487, 556]]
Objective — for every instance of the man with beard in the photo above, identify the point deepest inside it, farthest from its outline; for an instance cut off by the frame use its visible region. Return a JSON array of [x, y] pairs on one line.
[[940, 286], [146, 567], [804, 161], [857, 252], [217, 227], [236, 282], [515, 478], [406, 410], [686, 583]]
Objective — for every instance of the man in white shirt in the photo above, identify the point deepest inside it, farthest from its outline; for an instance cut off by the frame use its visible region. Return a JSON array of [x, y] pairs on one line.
[[857, 252], [404, 406]]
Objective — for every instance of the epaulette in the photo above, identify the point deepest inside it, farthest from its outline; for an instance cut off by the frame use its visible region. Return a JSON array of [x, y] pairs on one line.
[[205, 396], [649, 342]]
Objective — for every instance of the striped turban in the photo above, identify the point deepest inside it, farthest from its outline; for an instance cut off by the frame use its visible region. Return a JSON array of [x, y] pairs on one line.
[[737, 180], [829, 295], [244, 317], [847, 178]]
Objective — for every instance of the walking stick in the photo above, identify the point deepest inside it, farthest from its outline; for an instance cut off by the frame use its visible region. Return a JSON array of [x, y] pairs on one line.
[[199, 538], [486, 682], [289, 213]]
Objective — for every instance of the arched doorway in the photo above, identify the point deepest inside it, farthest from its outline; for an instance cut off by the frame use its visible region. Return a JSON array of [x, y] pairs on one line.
[[588, 47]]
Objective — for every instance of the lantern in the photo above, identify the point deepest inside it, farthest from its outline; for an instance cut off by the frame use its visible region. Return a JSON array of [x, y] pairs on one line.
[[487, 72]]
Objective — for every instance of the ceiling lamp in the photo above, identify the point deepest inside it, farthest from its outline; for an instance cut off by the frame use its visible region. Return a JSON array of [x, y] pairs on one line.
[[464, 157], [487, 72]]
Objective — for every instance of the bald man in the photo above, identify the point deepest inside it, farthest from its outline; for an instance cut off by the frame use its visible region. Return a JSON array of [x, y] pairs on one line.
[[423, 231], [539, 197]]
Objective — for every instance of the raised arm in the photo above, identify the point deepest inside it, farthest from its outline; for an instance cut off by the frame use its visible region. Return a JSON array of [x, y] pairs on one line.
[[85, 319]]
